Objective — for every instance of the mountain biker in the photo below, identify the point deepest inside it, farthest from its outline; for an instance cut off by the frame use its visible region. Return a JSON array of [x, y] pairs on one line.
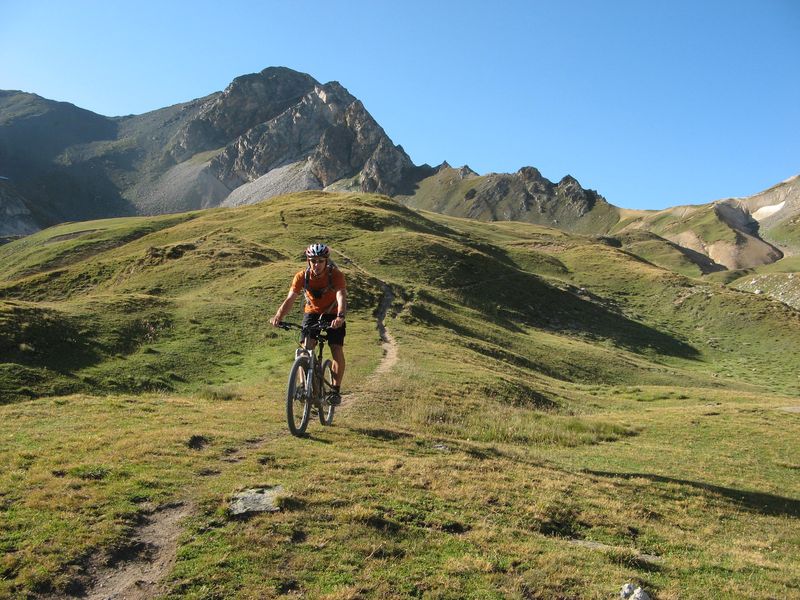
[[325, 292]]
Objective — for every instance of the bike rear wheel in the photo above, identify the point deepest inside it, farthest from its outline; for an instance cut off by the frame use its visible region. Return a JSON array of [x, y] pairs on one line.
[[298, 404], [326, 410]]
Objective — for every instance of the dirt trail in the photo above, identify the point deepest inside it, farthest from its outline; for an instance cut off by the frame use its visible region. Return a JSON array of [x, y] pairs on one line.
[[388, 346], [137, 574], [388, 343]]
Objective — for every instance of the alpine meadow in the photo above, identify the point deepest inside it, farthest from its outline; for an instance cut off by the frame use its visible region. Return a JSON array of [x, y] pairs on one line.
[[546, 396], [563, 417]]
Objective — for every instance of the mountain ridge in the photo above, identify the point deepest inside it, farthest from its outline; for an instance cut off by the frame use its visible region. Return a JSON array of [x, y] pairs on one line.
[[281, 131]]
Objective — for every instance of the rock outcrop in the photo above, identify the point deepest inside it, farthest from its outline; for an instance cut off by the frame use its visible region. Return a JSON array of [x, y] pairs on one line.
[[15, 216], [327, 135]]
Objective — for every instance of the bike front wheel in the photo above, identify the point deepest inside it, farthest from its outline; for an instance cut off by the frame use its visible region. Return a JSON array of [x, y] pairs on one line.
[[298, 404], [326, 410]]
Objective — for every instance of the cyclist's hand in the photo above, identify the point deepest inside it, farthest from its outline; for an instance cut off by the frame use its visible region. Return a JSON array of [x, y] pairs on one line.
[[276, 321], [337, 322]]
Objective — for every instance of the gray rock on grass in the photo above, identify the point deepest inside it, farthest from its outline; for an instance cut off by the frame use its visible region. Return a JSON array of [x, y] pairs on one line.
[[629, 592], [255, 500]]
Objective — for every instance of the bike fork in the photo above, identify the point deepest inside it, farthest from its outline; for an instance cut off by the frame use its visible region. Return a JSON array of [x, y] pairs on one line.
[[310, 378]]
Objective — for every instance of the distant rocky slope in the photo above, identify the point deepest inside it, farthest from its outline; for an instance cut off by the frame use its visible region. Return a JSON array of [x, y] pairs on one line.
[[777, 212], [522, 196], [15, 216], [735, 233]]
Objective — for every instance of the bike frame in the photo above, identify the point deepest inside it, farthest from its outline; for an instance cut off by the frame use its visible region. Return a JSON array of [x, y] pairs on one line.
[[314, 370]]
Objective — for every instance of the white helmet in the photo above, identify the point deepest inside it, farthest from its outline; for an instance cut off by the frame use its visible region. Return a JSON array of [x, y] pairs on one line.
[[320, 250]]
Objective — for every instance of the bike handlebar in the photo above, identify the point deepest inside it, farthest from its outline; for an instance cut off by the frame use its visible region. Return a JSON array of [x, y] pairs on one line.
[[320, 326]]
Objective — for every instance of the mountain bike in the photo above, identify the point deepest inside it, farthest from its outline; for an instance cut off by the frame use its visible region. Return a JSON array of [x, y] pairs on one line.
[[310, 382]]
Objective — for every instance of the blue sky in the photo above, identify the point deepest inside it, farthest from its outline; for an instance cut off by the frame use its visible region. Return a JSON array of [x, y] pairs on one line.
[[651, 103]]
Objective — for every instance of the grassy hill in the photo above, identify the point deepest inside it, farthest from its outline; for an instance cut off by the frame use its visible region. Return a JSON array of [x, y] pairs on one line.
[[564, 417]]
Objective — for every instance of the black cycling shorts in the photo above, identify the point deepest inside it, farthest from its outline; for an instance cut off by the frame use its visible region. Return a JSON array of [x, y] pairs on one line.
[[335, 336]]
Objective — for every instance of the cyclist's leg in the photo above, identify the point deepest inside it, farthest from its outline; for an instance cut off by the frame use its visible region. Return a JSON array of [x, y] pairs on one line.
[[336, 343], [337, 351]]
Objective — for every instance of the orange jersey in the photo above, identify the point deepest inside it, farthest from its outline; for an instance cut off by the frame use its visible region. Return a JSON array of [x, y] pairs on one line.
[[328, 283]]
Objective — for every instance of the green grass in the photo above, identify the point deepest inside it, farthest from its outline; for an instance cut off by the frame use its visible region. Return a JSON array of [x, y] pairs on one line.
[[49, 250], [785, 234], [703, 221], [788, 264], [564, 417], [667, 255]]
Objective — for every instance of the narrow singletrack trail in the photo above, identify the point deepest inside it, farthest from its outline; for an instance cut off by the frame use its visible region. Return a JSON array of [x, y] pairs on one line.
[[388, 347], [388, 343]]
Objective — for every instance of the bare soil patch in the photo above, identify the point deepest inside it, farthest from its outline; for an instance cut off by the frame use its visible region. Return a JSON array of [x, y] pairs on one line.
[[136, 572]]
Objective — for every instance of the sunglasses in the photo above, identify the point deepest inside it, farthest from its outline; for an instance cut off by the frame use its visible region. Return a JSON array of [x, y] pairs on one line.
[[317, 260]]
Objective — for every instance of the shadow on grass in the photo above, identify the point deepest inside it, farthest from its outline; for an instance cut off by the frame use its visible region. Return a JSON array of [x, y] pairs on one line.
[[312, 438], [482, 453], [33, 336], [765, 504], [516, 300], [386, 435]]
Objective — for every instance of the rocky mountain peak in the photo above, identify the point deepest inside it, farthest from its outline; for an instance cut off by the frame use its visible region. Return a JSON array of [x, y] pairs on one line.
[[322, 136], [568, 182], [248, 101], [465, 172], [266, 133], [326, 127], [530, 174]]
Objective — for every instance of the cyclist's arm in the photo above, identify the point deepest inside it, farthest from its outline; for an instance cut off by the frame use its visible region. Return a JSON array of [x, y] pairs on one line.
[[284, 308], [341, 303]]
